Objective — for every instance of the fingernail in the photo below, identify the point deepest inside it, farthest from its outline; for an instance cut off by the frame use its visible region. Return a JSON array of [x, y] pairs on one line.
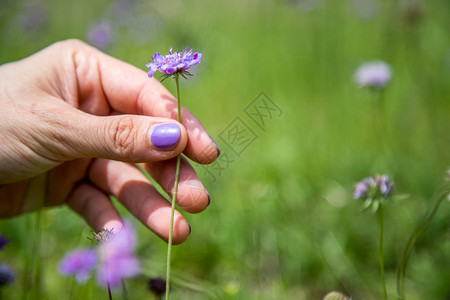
[[165, 136], [215, 144]]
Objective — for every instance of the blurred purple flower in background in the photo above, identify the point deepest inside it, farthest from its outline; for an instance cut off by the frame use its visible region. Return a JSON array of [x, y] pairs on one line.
[[306, 5], [123, 7], [101, 34], [3, 242], [80, 263], [117, 260], [136, 20], [157, 286], [373, 187], [114, 256], [173, 63], [33, 16], [6, 275], [362, 188], [374, 74], [384, 185], [365, 9]]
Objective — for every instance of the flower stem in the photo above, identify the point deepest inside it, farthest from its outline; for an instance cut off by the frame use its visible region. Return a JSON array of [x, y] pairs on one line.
[[109, 290], [32, 282], [124, 290], [380, 250], [174, 197], [178, 98]]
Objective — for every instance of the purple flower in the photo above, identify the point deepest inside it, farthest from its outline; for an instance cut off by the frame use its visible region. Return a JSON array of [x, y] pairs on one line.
[[374, 187], [307, 5], [116, 258], [362, 188], [80, 263], [6, 275], [157, 286], [124, 7], [3, 242], [384, 185], [365, 9], [375, 74], [34, 16], [173, 63], [101, 34]]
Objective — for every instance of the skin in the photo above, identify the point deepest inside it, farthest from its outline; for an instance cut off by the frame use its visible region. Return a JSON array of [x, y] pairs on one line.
[[74, 121]]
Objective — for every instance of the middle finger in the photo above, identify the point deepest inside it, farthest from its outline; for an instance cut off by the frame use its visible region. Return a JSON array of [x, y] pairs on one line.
[[133, 190]]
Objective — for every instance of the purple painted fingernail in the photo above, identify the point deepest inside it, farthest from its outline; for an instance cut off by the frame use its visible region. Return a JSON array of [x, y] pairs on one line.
[[165, 136], [215, 144]]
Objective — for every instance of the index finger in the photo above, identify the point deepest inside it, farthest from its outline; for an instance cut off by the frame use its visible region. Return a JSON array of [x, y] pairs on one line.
[[129, 90]]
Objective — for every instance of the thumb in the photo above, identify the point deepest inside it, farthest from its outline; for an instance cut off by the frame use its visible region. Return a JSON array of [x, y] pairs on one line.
[[130, 138]]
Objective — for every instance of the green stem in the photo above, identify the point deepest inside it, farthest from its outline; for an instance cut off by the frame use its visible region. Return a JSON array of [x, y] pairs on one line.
[[380, 250], [109, 290], [26, 283], [37, 254], [380, 120], [441, 195], [124, 290], [178, 98], [32, 279], [174, 197]]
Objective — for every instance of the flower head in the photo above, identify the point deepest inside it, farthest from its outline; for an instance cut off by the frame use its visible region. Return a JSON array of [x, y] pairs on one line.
[[6, 275], [362, 188], [116, 258], [373, 187], [173, 63], [157, 286], [373, 191], [335, 296], [3, 242], [34, 16], [101, 34], [374, 74], [384, 185], [80, 263]]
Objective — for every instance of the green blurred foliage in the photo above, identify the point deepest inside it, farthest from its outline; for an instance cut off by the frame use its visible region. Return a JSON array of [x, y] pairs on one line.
[[282, 223]]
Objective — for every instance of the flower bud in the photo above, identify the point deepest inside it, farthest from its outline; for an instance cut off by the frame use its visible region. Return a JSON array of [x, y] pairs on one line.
[[335, 296]]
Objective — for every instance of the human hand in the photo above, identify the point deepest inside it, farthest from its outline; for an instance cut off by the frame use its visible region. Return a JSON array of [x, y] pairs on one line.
[[72, 122]]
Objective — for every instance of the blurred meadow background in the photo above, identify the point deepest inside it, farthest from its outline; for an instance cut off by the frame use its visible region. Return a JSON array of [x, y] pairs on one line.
[[282, 223]]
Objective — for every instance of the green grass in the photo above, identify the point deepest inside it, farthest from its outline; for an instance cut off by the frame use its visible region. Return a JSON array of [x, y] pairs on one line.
[[282, 223]]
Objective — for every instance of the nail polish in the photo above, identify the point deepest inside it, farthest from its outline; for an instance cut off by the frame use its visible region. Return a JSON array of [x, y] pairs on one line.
[[215, 144], [209, 199], [165, 135]]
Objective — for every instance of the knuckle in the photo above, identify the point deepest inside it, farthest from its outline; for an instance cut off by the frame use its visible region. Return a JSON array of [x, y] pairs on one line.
[[69, 44], [124, 135]]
